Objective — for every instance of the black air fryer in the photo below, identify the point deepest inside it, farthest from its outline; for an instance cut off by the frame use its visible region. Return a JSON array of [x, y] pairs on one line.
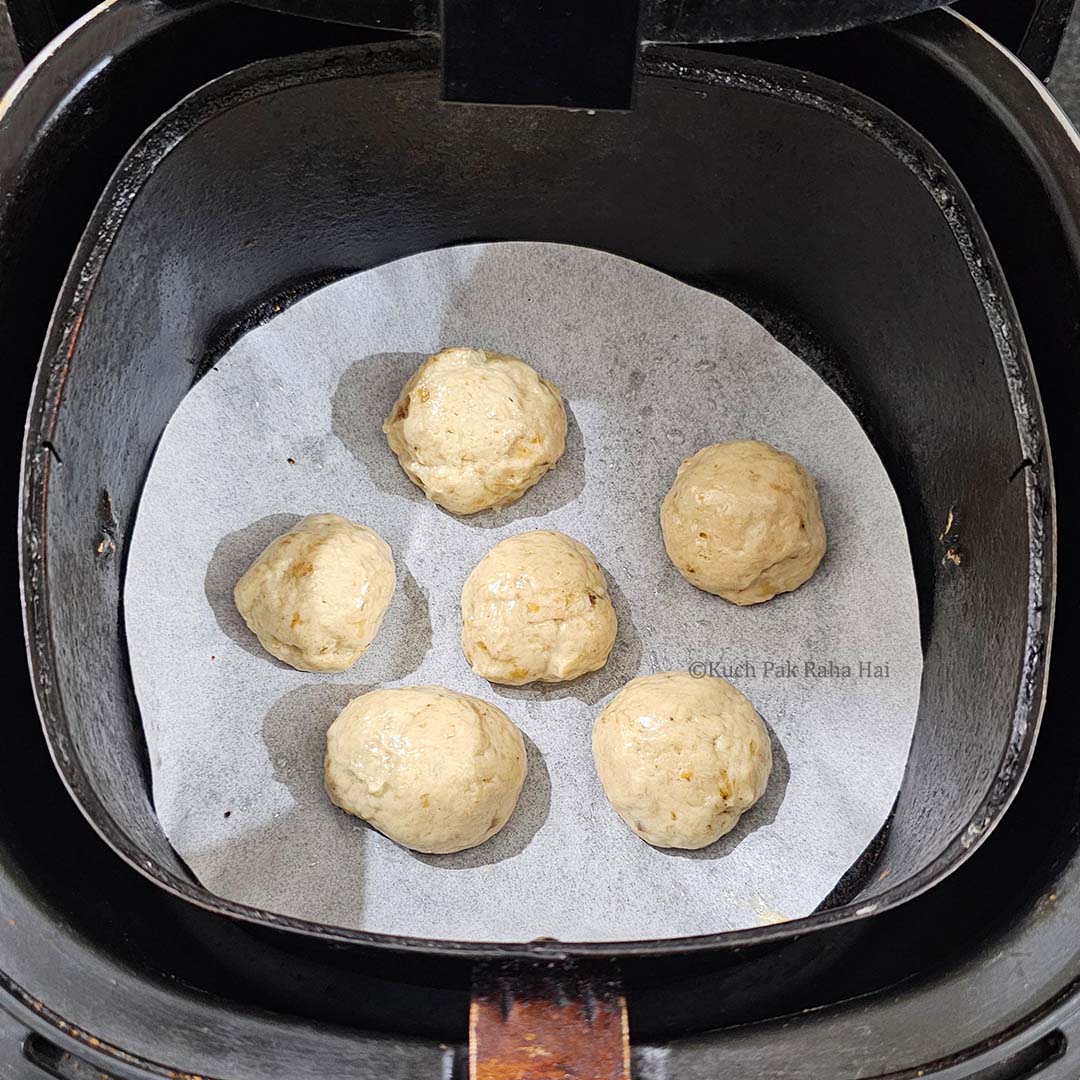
[[284, 144]]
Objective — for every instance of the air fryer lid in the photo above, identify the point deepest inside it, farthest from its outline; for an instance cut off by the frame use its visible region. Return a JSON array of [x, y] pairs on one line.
[[583, 53], [665, 21]]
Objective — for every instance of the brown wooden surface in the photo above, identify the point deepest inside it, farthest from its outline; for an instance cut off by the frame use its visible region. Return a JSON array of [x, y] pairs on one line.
[[548, 1022]]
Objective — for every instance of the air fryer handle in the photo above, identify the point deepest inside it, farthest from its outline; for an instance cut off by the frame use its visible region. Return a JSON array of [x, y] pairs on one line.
[[579, 54], [548, 1021]]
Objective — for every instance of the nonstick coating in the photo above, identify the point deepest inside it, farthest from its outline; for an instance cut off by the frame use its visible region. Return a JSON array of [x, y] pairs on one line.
[[819, 212]]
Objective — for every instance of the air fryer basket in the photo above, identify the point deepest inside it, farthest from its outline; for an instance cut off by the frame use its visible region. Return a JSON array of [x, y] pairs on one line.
[[815, 209]]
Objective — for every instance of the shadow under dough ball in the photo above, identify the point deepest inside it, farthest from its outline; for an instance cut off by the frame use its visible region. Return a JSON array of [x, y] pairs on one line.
[[536, 609], [316, 596], [742, 520], [681, 758], [475, 430], [434, 770]]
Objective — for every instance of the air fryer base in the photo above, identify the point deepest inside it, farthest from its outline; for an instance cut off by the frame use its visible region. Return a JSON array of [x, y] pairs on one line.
[[98, 961]]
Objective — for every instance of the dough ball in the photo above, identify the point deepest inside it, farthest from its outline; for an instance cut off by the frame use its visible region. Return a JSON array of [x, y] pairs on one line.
[[316, 596], [742, 520], [476, 429], [681, 759], [433, 770], [536, 609]]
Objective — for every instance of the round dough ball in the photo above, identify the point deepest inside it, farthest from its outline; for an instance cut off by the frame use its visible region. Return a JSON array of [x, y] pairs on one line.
[[742, 520], [536, 609], [681, 758], [476, 429], [316, 596], [434, 770]]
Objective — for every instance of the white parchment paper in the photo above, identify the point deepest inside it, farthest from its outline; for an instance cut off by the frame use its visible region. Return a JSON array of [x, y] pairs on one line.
[[288, 423]]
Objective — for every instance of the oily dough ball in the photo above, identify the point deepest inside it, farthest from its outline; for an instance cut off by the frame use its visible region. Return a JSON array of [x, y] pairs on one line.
[[742, 520], [536, 609], [681, 758], [316, 596], [434, 770], [476, 429]]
